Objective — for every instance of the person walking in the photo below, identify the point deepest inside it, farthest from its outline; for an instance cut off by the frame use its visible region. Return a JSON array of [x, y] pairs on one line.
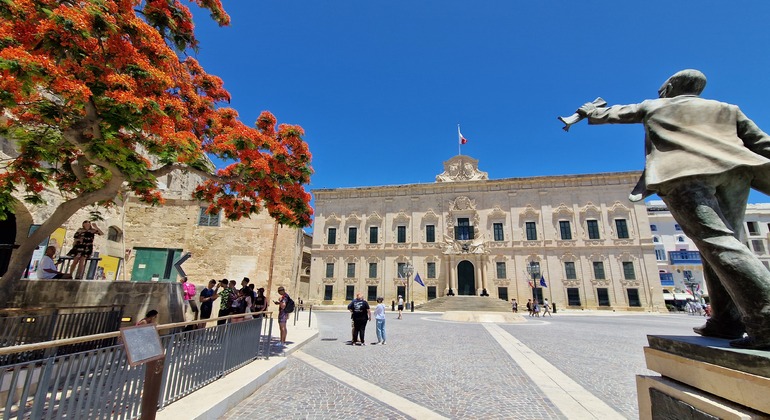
[[546, 308], [514, 306], [379, 317], [400, 306], [188, 299], [530, 307], [207, 298], [361, 314]]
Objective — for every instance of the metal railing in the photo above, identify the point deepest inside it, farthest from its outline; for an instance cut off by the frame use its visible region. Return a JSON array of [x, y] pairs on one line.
[[301, 308], [37, 325], [100, 383]]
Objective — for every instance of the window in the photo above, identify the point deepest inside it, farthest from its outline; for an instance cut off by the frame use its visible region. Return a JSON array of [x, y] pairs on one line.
[[332, 236], [660, 254], [352, 235], [621, 228], [603, 296], [680, 239], [531, 228], [569, 270], [573, 296], [430, 233], [463, 230], [351, 270], [498, 231], [329, 270], [205, 219], [566, 232], [628, 270], [372, 270], [401, 232], [501, 270], [655, 239], [431, 270], [677, 227], [400, 270], [758, 245], [633, 298], [328, 291], [371, 293], [373, 234], [653, 228], [350, 291], [114, 234], [593, 229], [753, 228], [599, 270], [431, 292]]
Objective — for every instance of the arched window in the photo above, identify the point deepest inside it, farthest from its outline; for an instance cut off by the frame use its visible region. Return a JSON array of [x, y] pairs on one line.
[[114, 234]]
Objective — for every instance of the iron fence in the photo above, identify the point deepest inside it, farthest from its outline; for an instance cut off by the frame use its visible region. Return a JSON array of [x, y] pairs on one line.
[[100, 384]]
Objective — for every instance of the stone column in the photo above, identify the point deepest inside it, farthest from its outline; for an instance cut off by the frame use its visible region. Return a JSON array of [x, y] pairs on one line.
[[479, 278]]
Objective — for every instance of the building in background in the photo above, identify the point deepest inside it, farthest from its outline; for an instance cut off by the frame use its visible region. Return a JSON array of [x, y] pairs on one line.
[[574, 239], [679, 262]]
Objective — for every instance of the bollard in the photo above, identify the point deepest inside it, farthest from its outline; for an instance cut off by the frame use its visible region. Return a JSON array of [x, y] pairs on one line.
[[392, 305]]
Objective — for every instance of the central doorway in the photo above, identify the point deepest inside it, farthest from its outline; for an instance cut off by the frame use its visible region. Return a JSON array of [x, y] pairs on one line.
[[466, 280]]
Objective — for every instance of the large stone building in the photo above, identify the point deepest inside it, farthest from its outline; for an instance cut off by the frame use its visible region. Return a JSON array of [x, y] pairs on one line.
[[575, 240]]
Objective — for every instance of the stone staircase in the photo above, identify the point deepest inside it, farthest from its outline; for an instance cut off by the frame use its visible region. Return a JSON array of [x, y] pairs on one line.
[[465, 303]]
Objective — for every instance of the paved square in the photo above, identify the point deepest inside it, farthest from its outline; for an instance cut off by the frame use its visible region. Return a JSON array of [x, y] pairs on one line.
[[460, 370]]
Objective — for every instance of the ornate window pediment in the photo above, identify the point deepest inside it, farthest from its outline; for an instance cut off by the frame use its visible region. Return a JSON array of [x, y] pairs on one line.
[[333, 220], [497, 214], [462, 203], [430, 217], [353, 220], [374, 219], [568, 256], [529, 214], [401, 218]]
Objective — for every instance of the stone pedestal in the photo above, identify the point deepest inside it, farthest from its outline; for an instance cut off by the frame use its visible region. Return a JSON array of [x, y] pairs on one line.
[[703, 378]]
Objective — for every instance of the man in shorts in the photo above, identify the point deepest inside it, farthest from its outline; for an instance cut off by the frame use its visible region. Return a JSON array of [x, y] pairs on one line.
[[282, 315]]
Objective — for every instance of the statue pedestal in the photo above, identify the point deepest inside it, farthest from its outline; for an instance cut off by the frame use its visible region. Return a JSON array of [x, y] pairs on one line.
[[703, 378]]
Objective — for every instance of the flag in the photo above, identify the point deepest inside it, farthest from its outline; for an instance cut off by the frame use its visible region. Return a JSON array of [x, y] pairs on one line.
[[542, 281], [418, 280], [531, 286], [401, 277], [462, 139]]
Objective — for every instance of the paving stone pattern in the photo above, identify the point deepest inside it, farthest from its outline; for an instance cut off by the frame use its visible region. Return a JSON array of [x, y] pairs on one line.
[[458, 370]]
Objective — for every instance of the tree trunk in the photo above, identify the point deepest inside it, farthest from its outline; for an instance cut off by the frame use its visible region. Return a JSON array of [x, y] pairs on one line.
[[22, 255]]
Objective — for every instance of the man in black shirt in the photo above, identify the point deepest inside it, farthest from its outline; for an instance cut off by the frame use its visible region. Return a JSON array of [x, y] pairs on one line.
[[360, 313]]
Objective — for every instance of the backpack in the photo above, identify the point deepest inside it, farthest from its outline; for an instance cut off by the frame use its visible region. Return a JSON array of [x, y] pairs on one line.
[[289, 308]]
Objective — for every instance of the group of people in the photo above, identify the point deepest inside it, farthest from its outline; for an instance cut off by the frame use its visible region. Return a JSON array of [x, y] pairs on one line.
[[361, 314], [534, 307]]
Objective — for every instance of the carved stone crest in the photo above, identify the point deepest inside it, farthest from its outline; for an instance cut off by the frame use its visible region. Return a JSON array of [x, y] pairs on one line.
[[461, 168]]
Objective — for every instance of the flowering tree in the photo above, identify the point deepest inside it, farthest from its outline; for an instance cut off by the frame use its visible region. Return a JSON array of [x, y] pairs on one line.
[[99, 99]]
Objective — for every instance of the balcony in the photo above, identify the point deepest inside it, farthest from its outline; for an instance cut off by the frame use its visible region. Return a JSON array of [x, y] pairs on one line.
[[684, 257], [463, 233]]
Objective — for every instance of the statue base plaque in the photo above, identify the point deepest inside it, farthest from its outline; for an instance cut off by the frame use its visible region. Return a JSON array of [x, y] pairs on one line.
[[703, 378]]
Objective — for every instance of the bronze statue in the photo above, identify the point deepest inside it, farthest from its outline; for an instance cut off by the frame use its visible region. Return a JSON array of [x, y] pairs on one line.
[[702, 159]]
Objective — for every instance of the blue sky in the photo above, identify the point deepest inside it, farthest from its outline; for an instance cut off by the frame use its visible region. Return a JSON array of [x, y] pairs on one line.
[[379, 87]]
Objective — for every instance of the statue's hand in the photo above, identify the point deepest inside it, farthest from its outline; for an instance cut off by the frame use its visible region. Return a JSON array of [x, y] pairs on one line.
[[586, 109]]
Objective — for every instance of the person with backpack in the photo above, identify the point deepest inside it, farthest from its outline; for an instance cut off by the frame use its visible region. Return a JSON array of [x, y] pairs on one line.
[[285, 307]]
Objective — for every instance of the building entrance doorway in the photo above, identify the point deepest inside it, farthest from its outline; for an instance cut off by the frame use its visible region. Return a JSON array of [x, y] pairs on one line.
[[7, 239], [466, 280]]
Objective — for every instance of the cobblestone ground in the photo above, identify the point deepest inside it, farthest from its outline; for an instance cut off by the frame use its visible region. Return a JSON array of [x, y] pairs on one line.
[[458, 370]]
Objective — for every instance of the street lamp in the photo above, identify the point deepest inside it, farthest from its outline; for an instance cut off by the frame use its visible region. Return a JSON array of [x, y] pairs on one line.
[[408, 270], [534, 270]]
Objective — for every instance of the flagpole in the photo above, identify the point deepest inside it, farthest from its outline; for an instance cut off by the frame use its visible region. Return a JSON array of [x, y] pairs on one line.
[[459, 143]]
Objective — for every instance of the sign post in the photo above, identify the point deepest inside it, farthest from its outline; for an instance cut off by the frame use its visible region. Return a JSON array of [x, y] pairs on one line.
[[142, 345]]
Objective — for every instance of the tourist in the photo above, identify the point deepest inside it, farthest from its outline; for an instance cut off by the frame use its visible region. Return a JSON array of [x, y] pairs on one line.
[[400, 306], [282, 315], [149, 318], [188, 299], [83, 248], [530, 306], [547, 308], [379, 317], [226, 297], [207, 298], [46, 269], [514, 306], [535, 308], [260, 302], [361, 314], [245, 282]]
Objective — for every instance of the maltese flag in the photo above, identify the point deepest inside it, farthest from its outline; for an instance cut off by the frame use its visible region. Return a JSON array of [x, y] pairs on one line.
[[460, 137]]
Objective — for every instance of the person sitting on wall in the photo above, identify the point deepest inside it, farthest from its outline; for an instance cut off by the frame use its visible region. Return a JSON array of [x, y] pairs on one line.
[[47, 269]]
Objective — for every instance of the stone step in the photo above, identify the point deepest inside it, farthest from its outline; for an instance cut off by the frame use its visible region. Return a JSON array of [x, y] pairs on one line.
[[465, 303]]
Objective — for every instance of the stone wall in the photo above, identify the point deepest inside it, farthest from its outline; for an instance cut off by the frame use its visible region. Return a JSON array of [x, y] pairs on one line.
[[137, 298]]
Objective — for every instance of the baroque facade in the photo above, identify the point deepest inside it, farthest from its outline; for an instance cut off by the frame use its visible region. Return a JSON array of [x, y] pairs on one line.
[[588, 246]]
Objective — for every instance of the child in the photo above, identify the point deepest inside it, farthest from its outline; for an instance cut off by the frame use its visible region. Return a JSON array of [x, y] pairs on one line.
[[379, 316]]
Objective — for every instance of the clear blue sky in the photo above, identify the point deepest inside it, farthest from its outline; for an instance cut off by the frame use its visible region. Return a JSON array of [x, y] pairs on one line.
[[379, 87]]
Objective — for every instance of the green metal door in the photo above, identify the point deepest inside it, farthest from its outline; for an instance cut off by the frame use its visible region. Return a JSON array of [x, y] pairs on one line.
[[157, 263]]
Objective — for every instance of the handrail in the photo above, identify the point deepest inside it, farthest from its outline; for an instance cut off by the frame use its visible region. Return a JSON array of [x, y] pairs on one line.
[[76, 340], [10, 310]]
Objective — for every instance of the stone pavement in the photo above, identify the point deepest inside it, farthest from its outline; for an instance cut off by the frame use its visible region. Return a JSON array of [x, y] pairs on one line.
[[574, 365]]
